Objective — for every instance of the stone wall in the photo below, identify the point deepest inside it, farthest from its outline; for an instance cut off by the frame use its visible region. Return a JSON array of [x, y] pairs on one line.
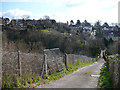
[[19, 63], [72, 58], [12, 62], [51, 61], [54, 60], [114, 69]]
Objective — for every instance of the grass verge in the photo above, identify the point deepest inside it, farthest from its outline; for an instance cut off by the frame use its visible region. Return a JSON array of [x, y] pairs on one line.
[[105, 79]]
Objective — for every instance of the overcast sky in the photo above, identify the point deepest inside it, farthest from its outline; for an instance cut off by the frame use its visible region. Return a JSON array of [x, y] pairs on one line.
[[63, 10]]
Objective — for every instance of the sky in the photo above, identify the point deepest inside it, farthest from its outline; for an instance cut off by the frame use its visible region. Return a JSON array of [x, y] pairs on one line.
[[62, 10]]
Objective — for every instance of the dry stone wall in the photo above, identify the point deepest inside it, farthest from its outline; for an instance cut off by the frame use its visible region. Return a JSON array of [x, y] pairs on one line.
[[54, 60], [114, 69], [12, 62], [18, 63], [72, 58]]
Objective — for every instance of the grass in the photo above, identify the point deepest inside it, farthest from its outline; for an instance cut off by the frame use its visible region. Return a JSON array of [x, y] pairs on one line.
[[105, 78], [15, 82], [7, 81], [30, 81], [47, 30]]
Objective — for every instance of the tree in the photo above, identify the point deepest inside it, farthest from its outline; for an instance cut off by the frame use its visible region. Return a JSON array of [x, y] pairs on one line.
[[5, 21], [94, 47], [97, 24], [113, 48], [105, 24], [67, 22], [106, 42], [98, 28], [78, 23], [46, 17], [25, 17], [85, 23], [53, 21], [71, 22]]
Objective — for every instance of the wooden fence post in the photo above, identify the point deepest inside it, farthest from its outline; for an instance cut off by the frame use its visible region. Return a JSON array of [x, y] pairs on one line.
[[19, 66], [43, 64], [45, 59], [73, 58], [66, 63]]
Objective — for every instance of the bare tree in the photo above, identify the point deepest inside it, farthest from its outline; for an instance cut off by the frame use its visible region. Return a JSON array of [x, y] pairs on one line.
[[25, 17], [46, 17]]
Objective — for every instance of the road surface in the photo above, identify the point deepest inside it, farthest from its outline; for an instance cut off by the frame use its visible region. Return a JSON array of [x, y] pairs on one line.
[[86, 77]]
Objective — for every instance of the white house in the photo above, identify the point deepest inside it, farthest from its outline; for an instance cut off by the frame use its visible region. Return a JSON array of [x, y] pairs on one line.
[[87, 29], [93, 33]]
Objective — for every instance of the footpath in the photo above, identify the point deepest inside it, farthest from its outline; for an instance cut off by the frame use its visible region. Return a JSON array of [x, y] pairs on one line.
[[85, 77]]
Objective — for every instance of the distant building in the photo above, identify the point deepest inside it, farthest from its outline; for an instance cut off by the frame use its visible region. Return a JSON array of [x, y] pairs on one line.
[[75, 27], [18, 23], [87, 29], [113, 34], [93, 33], [5, 21], [111, 28], [32, 22]]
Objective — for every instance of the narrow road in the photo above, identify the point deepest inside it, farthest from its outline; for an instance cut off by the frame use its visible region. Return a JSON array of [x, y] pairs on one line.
[[86, 77]]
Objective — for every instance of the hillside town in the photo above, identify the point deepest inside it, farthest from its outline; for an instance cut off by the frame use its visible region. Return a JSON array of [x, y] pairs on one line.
[[88, 30]]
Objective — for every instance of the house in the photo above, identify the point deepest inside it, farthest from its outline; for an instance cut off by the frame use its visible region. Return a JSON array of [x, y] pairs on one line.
[[18, 23], [5, 21], [93, 33], [112, 28], [116, 35], [32, 22], [111, 32], [108, 34], [75, 27], [87, 29]]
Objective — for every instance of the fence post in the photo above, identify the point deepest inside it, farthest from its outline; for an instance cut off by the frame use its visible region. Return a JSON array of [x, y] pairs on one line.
[[66, 63], [43, 64], [19, 66], [73, 58], [45, 59]]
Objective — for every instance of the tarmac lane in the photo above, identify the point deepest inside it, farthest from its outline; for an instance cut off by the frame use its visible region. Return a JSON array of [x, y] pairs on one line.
[[85, 77]]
